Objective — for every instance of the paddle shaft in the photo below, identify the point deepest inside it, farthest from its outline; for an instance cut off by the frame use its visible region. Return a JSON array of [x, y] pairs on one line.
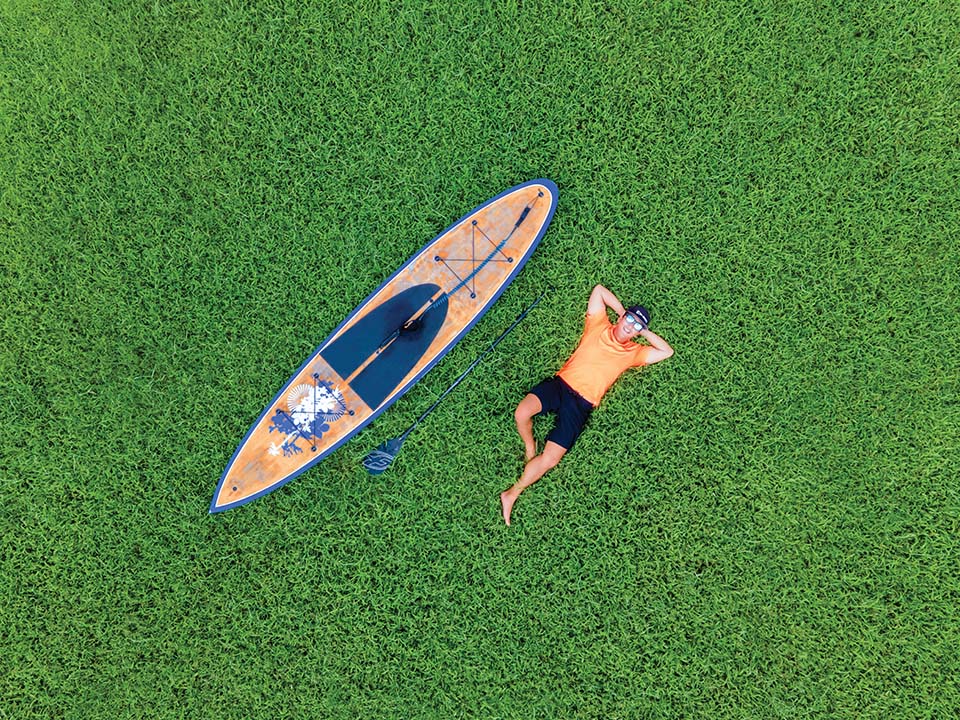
[[472, 365]]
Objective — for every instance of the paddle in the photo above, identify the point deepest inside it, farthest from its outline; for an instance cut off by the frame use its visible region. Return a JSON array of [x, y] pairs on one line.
[[378, 460]]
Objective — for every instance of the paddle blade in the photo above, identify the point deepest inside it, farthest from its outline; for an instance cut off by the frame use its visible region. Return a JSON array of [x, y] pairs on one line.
[[378, 460]]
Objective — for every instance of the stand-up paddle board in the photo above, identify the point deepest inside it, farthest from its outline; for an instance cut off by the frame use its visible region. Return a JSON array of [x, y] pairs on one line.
[[389, 341]]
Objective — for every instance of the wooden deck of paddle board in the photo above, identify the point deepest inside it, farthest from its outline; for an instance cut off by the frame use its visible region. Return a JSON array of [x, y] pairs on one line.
[[468, 266]]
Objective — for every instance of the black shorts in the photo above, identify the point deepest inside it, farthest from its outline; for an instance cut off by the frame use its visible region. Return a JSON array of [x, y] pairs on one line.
[[572, 410]]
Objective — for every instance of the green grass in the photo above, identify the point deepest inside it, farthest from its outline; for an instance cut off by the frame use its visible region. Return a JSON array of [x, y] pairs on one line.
[[193, 195]]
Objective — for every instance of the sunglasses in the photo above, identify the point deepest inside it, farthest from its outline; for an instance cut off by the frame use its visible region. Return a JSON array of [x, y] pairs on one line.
[[633, 322]]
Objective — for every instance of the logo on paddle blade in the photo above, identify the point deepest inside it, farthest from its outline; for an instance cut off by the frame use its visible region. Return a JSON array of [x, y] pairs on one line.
[[312, 408]]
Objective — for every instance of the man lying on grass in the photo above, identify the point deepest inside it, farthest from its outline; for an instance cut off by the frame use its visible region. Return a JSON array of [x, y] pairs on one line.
[[605, 351]]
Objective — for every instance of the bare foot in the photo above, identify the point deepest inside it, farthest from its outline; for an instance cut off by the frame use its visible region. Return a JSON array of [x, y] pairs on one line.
[[506, 504]]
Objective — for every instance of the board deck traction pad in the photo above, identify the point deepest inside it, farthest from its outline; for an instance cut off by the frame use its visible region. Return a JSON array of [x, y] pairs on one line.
[[387, 343]]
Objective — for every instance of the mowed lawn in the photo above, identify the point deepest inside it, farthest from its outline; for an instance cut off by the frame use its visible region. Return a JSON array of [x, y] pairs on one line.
[[193, 195]]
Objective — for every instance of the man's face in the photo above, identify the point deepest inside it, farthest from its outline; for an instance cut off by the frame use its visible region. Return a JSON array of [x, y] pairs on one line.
[[627, 328]]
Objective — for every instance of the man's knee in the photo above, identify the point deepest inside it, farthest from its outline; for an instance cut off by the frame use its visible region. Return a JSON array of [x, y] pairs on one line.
[[527, 408], [552, 454]]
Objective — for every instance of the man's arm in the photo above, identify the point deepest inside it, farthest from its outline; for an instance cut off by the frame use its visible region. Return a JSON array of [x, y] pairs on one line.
[[601, 299], [661, 349]]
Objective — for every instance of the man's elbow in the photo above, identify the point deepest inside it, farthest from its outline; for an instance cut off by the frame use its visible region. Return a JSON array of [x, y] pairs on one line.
[[664, 353]]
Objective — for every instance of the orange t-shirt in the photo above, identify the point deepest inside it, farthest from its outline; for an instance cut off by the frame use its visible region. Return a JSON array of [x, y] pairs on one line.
[[599, 359]]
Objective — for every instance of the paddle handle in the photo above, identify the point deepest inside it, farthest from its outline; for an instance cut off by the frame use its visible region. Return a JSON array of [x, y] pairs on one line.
[[476, 362]]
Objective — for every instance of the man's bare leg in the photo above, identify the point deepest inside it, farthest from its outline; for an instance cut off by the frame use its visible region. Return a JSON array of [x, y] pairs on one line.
[[534, 470], [523, 416]]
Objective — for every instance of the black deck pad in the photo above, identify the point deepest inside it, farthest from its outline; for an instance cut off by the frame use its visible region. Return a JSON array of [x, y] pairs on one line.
[[388, 367]]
